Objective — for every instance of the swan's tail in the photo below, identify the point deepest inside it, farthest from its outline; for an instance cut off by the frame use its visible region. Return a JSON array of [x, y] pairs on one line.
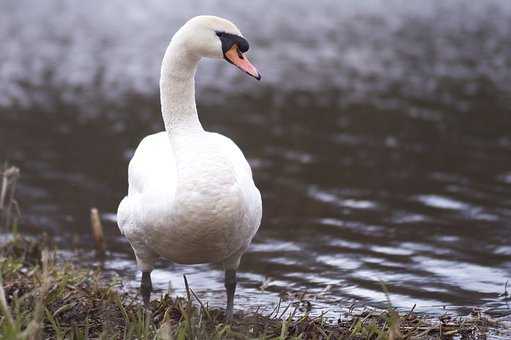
[[123, 214]]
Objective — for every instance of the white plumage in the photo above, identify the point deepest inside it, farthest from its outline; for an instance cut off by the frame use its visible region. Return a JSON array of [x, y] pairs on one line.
[[191, 196], [195, 203]]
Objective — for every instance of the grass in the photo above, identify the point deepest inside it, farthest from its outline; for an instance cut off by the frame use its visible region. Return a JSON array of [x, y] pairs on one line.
[[42, 298]]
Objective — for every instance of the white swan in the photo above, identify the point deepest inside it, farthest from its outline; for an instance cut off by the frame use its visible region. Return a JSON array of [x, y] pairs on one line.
[[191, 196]]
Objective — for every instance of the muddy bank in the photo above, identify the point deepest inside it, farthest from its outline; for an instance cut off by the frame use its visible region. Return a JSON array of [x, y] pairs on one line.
[[44, 297]]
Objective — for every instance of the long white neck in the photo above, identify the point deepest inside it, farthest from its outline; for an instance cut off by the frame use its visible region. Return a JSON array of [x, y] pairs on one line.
[[177, 90]]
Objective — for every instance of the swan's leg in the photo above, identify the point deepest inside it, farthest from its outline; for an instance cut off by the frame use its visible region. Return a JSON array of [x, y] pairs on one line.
[[230, 287], [146, 287]]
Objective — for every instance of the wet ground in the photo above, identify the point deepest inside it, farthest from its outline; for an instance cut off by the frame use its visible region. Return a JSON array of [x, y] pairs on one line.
[[379, 137]]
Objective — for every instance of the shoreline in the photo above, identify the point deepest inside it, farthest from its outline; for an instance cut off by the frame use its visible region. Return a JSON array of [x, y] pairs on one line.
[[42, 297]]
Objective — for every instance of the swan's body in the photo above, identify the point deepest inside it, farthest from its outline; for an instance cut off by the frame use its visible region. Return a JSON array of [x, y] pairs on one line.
[[191, 196], [190, 202]]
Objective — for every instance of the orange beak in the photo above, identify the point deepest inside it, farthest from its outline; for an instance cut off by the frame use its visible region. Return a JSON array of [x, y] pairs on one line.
[[234, 56]]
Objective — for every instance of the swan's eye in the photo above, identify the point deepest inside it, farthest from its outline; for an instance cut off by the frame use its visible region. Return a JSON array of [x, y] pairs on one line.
[[228, 40]]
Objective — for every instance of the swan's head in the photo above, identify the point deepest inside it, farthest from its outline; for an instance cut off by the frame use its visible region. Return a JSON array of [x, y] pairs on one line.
[[214, 37]]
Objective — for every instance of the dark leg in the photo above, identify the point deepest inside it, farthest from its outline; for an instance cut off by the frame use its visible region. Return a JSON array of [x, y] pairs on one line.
[[230, 287], [146, 287]]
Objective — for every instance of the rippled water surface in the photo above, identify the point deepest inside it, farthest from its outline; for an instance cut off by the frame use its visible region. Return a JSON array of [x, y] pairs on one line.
[[379, 137]]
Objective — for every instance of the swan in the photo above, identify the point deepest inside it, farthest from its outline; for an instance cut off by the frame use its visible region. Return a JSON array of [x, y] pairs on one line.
[[191, 197]]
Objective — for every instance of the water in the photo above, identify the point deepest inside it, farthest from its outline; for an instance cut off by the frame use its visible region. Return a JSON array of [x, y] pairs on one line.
[[379, 137]]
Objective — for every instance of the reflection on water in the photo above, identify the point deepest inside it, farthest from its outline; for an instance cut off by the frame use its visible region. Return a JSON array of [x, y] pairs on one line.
[[379, 138]]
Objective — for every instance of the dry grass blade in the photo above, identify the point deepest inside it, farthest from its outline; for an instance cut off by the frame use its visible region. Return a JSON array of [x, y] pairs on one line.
[[9, 208], [97, 232], [3, 304]]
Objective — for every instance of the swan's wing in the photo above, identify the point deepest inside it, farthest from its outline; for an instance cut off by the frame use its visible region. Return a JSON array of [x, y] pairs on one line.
[[151, 180], [243, 173], [234, 154], [152, 166]]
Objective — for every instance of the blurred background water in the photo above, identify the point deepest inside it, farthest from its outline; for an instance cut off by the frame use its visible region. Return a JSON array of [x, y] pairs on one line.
[[379, 137]]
